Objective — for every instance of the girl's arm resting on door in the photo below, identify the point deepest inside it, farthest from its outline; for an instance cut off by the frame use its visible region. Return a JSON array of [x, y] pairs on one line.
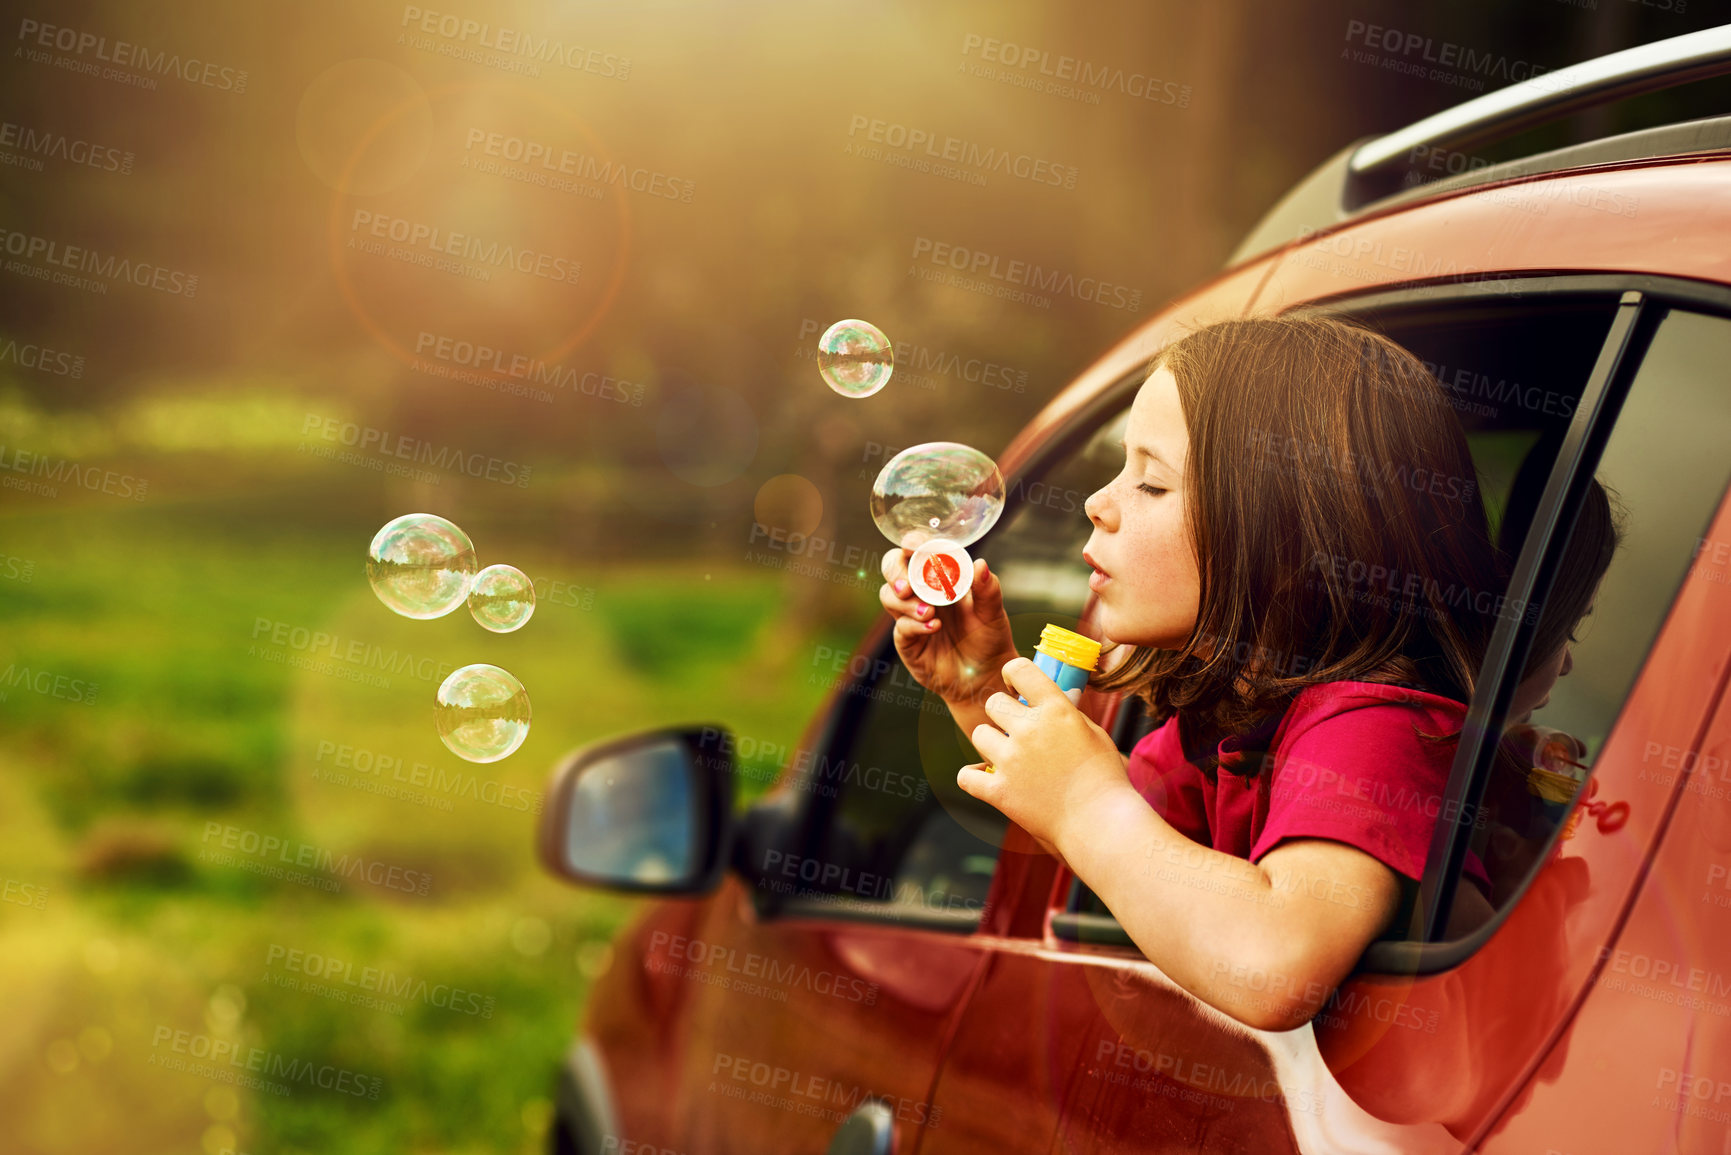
[[1264, 942]]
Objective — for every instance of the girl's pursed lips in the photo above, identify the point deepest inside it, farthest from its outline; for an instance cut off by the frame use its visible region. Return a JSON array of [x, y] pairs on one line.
[[1098, 579]]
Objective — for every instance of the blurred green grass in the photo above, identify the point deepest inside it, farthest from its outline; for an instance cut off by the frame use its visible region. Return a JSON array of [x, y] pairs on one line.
[[105, 805]]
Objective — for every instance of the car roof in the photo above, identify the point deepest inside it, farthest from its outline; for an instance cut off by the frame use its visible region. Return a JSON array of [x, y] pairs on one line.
[[1655, 202], [1371, 173]]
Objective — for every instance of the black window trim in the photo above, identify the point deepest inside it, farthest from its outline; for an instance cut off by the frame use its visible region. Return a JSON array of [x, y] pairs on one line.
[[1642, 300]]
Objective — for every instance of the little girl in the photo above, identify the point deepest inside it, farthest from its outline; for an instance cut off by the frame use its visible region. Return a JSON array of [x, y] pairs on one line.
[[1295, 573]]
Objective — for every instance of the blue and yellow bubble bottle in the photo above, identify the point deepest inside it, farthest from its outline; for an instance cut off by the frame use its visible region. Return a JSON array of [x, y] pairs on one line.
[[1067, 658]]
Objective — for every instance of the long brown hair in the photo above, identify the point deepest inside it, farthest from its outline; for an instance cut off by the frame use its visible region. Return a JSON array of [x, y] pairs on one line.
[[1594, 539], [1337, 523]]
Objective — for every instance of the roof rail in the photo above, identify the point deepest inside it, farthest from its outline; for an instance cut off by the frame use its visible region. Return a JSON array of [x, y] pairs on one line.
[[1500, 114], [1372, 169]]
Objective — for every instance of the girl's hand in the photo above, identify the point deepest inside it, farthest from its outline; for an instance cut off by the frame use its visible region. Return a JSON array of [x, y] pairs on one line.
[[1049, 761], [953, 651]]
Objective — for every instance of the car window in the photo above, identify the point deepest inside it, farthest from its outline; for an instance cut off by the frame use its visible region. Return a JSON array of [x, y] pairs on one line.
[[899, 838], [1664, 470]]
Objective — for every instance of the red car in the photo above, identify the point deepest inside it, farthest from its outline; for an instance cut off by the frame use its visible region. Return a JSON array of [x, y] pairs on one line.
[[868, 960]]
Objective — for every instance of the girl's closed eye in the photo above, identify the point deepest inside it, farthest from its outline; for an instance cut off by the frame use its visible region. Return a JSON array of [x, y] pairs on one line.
[[1154, 490]]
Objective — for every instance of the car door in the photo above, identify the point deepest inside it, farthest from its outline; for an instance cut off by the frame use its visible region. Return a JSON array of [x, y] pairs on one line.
[[1085, 1046]]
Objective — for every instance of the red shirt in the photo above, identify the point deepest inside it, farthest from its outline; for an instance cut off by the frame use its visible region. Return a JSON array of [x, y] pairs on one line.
[[1349, 764]]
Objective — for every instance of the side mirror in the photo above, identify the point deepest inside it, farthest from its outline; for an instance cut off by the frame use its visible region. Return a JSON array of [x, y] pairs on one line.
[[650, 813]]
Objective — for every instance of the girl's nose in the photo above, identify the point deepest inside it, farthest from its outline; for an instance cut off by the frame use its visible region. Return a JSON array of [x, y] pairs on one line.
[[1568, 661], [1095, 507]]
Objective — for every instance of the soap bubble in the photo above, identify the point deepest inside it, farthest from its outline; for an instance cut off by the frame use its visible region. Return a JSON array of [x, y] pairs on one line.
[[502, 598], [483, 713], [855, 358], [421, 565], [937, 490]]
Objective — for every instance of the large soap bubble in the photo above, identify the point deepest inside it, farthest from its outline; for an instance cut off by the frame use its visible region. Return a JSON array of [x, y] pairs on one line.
[[855, 358], [502, 598], [937, 490], [421, 565], [482, 713]]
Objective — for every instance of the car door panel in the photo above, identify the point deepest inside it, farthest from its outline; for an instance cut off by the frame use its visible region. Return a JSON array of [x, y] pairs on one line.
[[1651, 1044], [794, 1022], [1082, 1049]]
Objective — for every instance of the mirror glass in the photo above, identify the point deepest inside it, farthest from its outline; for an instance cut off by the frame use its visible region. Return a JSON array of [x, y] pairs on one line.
[[633, 817]]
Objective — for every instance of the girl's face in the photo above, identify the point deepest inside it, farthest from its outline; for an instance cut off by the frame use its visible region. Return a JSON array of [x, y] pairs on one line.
[[1144, 561], [1534, 691]]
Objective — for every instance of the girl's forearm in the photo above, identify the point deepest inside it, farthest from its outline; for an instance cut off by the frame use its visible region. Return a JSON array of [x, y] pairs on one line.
[[1200, 915]]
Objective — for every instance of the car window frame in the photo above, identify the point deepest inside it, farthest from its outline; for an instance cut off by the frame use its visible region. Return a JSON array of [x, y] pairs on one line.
[[1641, 302], [839, 730]]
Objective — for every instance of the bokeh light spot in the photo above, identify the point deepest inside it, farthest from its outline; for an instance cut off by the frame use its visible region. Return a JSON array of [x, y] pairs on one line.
[[95, 1044], [221, 1104], [62, 1057], [788, 502], [531, 936], [594, 958], [349, 103]]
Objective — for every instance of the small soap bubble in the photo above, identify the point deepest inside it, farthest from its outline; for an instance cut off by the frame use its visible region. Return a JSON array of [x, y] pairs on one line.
[[421, 565], [482, 713], [855, 358], [502, 598], [937, 490]]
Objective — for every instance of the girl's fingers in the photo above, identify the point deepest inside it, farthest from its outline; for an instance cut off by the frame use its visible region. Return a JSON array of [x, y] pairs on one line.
[[992, 743], [911, 628], [1005, 711], [908, 607], [895, 568], [976, 780], [901, 607]]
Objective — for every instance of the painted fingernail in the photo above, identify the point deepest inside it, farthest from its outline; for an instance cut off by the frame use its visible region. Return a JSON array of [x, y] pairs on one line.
[[902, 588], [922, 609]]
